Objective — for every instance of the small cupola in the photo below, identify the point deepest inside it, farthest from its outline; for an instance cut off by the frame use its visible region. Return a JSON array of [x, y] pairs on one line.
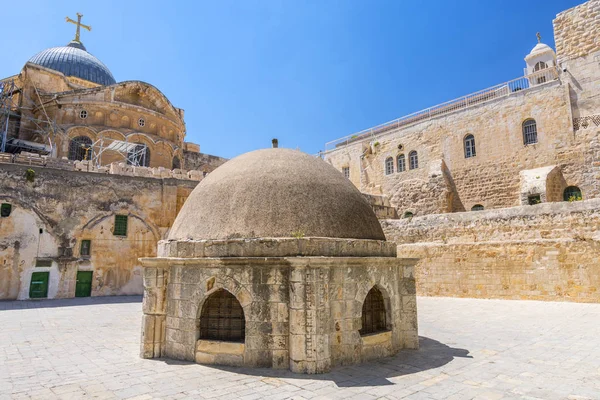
[[541, 63]]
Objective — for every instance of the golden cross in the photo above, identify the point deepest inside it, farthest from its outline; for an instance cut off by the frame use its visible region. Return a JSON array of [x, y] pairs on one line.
[[79, 24], [539, 37]]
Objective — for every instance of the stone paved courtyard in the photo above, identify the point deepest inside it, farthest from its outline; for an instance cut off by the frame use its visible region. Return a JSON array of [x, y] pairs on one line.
[[470, 349]]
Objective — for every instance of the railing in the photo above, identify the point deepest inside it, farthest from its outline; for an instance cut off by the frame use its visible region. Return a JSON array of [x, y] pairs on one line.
[[502, 90]]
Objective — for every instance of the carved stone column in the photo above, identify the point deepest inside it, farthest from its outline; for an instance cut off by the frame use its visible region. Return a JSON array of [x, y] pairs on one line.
[[154, 308]]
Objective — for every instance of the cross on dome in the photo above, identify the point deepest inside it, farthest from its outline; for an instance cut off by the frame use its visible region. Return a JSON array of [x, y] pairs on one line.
[[79, 25]]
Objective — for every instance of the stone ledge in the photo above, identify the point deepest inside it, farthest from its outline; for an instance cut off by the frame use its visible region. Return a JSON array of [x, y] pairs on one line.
[[377, 338], [276, 247]]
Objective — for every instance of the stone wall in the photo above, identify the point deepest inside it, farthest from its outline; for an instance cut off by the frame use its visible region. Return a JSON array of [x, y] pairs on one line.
[[447, 181], [201, 161], [544, 252], [54, 213], [576, 31]]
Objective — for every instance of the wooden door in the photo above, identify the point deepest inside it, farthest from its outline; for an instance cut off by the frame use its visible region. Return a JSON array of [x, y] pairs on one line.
[[83, 286], [38, 289]]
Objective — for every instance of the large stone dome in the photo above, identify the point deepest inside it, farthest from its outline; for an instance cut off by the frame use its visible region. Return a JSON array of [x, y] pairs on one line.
[[74, 60], [275, 193]]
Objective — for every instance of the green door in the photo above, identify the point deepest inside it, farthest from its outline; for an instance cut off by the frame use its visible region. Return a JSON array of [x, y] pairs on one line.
[[83, 287], [38, 289]]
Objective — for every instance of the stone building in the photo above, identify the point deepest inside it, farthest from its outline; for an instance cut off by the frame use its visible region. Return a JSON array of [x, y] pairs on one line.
[[499, 188], [533, 139], [91, 176], [276, 260]]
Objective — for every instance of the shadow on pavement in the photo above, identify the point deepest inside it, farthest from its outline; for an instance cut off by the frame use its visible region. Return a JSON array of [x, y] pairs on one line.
[[72, 302], [431, 354]]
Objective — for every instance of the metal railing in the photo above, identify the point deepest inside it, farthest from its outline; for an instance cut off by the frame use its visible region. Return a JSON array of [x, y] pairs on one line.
[[502, 90]]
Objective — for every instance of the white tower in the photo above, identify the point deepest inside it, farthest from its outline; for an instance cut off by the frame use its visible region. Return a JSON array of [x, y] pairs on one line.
[[541, 63]]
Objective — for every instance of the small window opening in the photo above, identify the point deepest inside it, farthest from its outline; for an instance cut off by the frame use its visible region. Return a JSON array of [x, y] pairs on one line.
[[408, 214], [346, 172], [222, 318], [401, 161], [477, 207], [413, 160], [389, 166], [534, 199], [5, 210], [469, 146], [141, 122], [120, 225], [86, 248], [529, 132], [572, 193], [43, 263], [83, 114], [373, 313]]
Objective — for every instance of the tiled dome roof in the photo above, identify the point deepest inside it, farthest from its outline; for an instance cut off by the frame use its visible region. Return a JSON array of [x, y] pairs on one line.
[[74, 60]]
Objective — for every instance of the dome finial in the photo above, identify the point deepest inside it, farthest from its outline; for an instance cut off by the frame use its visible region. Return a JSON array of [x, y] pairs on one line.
[[79, 25], [539, 37]]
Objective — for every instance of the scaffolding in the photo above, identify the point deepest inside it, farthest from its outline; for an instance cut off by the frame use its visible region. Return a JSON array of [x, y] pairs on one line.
[[7, 110], [136, 154], [13, 113]]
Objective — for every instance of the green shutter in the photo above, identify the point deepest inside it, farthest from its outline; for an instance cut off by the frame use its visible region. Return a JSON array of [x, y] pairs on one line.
[[120, 225], [38, 289], [5, 210]]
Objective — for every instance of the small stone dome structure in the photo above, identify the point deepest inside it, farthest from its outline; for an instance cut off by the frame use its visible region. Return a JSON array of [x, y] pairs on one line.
[[276, 193], [276, 260]]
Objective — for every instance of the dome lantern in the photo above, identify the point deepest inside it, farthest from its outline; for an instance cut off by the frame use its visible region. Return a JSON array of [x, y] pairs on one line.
[[541, 57]]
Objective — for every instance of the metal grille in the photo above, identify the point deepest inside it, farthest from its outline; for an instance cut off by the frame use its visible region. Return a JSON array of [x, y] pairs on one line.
[[529, 132], [401, 163], [346, 172], [389, 166], [120, 225], [469, 146], [572, 193], [222, 318], [78, 147], [373, 313], [477, 207], [413, 158]]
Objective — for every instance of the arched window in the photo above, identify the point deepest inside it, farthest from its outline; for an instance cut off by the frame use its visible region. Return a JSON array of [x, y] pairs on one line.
[[222, 318], [477, 207], [78, 147], [176, 162], [469, 146], [373, 313], [541, 78], [413, 160], [401, 163], [389, 166], [572, 193], [539, 66], [408, 214], [529, 132], [139, 156]]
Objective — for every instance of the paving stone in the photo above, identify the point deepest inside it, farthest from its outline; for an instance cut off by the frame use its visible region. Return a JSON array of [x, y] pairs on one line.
[[470, 349]]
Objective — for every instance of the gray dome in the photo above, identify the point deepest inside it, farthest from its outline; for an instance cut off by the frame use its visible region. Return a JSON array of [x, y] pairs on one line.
[[74, 60], [275, 193]]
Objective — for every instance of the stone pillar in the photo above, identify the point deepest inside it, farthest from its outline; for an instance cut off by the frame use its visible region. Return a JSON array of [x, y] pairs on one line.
[[309, 319], [154, 308]]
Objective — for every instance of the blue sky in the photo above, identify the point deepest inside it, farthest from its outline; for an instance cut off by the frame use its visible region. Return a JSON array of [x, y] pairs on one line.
[[304, 71]]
